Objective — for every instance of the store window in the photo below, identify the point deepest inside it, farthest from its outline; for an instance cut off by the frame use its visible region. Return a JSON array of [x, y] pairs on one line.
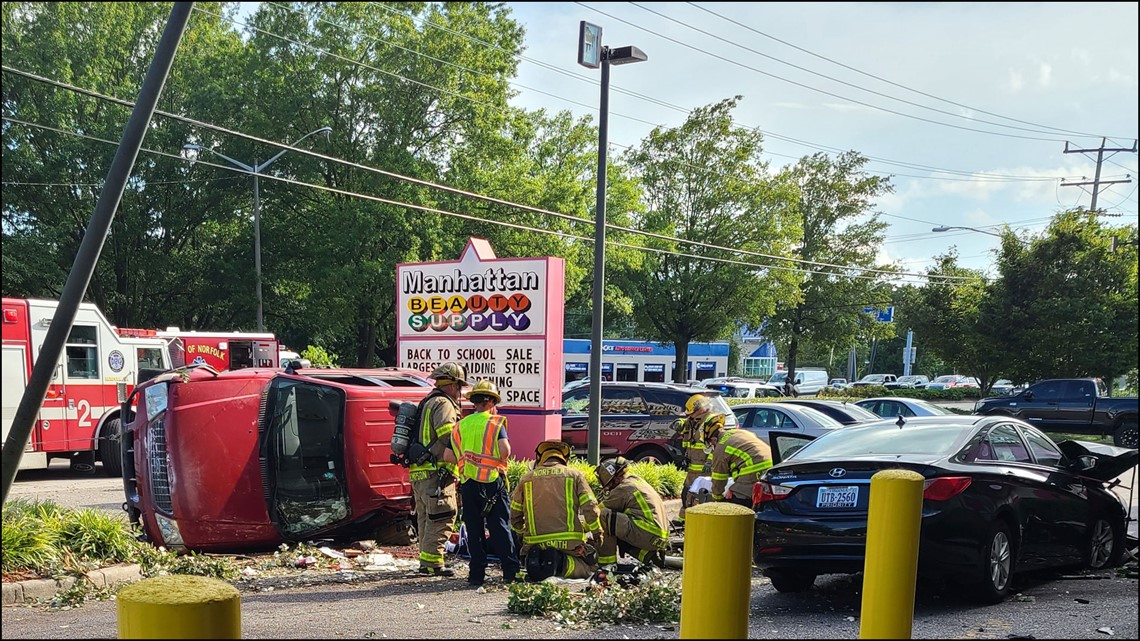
[[576, 371], [654, 373], [705, 370], [759, 367], [627, 372]]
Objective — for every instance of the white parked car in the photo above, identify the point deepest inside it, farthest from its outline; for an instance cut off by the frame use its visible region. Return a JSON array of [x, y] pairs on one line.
[[743, 388], [892, 406], [761, 418]]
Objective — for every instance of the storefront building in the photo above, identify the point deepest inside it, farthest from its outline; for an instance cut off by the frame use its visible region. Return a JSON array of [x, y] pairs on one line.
[[624, 360]]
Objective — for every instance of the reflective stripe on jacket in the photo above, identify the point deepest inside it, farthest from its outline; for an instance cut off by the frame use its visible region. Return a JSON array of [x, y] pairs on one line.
[[475, 440], [693, 439], [739, 454], [438, 417], [641, 503], [547, 503]]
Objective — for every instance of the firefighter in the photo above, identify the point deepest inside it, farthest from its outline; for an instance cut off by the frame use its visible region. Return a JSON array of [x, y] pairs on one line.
[[699, 422], [433, 482], [633, 516], [554, 510], [739, 455], [480, 446]]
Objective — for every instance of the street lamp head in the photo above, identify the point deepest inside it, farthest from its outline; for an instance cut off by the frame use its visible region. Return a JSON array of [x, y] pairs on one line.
[[941, 228], [326, 131], [190, 151], [625, 55]]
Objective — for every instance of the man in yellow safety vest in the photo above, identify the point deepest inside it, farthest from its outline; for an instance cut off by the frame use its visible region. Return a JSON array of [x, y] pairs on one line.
[[633, 516], [480, 447], [555, 512]]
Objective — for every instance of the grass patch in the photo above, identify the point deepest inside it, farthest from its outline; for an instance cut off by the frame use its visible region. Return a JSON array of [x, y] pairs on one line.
[[50, 540]]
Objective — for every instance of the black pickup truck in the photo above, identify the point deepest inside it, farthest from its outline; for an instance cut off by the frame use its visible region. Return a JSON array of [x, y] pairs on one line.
[[1073, 405]]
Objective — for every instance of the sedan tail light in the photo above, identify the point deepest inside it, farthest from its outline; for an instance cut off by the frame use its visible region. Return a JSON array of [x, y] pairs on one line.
[[944, 488], [765, 491]]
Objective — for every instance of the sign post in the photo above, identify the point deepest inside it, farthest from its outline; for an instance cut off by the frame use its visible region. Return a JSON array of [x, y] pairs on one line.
[[501, 319]]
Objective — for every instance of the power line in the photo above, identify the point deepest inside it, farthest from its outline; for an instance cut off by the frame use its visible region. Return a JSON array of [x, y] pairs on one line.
[[904, 276], [815, 89], [971, 176], [881, 79], [446, 188]]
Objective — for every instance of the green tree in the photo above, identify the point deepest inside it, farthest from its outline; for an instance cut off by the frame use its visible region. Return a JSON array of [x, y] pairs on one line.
[[833, 200], [1067, 303], [704, 181], [959, 320]]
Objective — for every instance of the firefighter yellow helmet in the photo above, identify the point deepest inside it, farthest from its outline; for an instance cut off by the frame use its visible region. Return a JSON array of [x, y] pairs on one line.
[[697, 403], [610, 469], [484, 388], [547, 450], [448, 373]]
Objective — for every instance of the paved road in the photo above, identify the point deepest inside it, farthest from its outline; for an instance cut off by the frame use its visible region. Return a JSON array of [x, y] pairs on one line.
[[1051, 605]]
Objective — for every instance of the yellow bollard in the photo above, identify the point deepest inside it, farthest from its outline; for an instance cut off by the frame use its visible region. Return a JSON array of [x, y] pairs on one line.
[[179, 606], [894, 519], [716, 582]]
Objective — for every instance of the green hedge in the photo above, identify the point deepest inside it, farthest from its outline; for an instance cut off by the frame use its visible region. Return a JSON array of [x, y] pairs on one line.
[[667, 479], [871, 391]]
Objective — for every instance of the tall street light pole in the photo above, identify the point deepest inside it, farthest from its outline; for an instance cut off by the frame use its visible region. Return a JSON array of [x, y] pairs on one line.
[[980, 231], [592, 54], [191, 152]]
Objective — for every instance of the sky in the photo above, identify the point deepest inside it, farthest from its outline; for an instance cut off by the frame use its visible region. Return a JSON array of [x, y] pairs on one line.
[[968, 106]]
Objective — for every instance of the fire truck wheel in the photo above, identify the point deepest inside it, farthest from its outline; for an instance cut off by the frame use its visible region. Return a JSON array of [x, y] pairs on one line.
[[110, 442]]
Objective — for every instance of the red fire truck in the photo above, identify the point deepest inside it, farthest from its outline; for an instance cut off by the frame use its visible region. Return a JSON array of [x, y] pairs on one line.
[[79, 418]]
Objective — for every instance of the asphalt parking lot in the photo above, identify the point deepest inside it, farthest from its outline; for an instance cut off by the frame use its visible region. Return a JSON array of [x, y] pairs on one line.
[[1047, 605]]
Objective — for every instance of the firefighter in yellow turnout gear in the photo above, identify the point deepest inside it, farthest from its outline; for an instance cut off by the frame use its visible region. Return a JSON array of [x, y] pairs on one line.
[[741, 456], [433, 482], [554, 510], [633, 516], [696, 440]]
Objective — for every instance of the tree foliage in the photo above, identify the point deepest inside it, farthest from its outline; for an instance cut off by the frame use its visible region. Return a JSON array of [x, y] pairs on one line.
[[834, 200], [704, 181]]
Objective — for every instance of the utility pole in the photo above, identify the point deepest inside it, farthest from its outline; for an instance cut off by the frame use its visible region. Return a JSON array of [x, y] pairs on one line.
[[1097, 182]]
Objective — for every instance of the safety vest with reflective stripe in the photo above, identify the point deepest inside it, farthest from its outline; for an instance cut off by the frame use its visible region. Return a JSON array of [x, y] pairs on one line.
[[741, 455], [546, 506], [475, 440]]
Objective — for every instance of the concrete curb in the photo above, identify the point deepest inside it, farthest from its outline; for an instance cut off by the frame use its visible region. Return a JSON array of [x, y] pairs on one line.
[[37, 589]]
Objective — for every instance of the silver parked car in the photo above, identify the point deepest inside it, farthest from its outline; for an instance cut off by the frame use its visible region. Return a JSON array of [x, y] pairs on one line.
[[760, 418], [914, 381], [892, 406]]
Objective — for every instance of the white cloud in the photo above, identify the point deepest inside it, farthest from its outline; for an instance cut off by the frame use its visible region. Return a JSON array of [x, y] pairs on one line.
[[1081, 55], [1045, 74], [1016, 81]]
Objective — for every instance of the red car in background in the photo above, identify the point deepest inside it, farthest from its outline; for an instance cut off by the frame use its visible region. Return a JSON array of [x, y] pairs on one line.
[[949, 381], [251, 458]]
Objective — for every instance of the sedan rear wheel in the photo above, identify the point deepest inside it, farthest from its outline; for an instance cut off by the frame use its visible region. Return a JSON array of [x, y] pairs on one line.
[[785, 580], [1104, 547], [996, 565]]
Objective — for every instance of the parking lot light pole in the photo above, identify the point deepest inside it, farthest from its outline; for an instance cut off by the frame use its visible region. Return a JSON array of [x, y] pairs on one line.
[[980, 231], [592, 54], [191, 151]]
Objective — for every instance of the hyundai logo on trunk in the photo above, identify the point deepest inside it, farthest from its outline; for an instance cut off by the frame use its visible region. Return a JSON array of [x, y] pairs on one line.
[[837, 472]]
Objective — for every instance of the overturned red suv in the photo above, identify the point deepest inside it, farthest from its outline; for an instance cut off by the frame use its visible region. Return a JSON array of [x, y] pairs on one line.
[[249, 459]]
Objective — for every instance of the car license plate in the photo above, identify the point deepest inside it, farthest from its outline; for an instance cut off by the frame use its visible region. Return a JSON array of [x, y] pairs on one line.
[[832, 497]]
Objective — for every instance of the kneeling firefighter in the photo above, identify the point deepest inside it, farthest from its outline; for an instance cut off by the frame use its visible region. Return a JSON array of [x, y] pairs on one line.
[[633, 516], [548, 508]]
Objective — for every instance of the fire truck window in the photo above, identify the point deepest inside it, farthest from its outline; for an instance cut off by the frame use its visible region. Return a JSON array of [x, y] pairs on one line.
[[150, 358], [82, 352]]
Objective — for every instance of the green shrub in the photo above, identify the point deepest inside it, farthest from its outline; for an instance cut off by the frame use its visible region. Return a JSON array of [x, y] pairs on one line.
[[26, 544], [537, 599], [656, 600], [94, 536], [665, 478]]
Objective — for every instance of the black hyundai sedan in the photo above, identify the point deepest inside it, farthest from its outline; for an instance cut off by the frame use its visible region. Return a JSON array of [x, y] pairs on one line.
[[1000, 497]]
